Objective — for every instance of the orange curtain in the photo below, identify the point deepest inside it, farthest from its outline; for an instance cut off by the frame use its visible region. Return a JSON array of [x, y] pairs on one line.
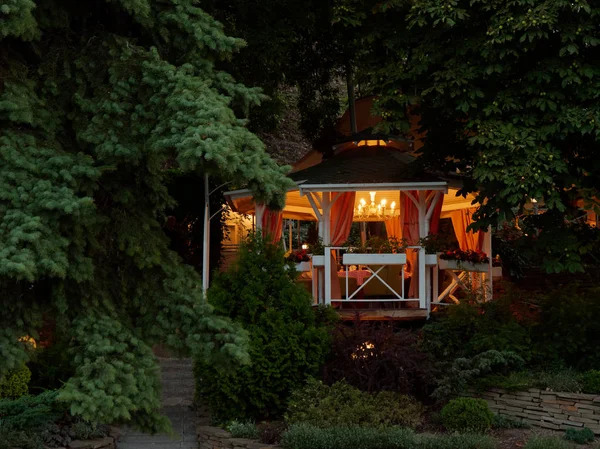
[[342, 212], [393, 228], [272, 224], [461, 219]]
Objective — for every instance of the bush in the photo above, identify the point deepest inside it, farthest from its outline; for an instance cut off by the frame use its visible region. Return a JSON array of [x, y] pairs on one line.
[[465, 371], [469, 328], [287, 344], [303, 436], [579, 436], [467, 415], [14, 384], [243, 430], [547, 443], [341, 404], [566, 380], [591, 382], [373, 357], [509, 422]]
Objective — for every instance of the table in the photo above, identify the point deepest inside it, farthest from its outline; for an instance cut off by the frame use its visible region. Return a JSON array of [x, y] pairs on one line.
[[359, 275]]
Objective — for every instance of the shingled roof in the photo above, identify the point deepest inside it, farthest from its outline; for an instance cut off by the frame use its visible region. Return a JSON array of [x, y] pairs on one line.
[[366, 165]]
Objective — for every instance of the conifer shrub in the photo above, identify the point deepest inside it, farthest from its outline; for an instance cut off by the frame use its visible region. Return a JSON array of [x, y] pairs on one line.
[[591, 381], [341, 404], [287, 343], [467, 415], [579, 436], [14, 383]]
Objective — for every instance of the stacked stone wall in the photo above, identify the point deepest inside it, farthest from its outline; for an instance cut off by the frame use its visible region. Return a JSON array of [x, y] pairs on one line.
[[216, 438], [546, 409]]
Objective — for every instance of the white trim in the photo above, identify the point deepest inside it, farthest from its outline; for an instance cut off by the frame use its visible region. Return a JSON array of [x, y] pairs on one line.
[[443, 186]]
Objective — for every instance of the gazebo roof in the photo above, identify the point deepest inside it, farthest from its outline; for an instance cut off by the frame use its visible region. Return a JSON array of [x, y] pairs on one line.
[[366, 165]]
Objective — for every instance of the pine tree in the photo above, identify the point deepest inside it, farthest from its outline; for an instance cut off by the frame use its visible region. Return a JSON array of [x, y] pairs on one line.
[[97, 100]]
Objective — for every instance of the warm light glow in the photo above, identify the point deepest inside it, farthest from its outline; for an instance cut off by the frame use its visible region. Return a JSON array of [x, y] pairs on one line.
[[393, 205], [533, 200], [304, 246], [371, 143], [372, 194], [363, 203], [383, 202]]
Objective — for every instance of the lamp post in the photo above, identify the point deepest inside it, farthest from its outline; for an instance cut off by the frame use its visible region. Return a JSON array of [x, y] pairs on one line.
[[206, 243]]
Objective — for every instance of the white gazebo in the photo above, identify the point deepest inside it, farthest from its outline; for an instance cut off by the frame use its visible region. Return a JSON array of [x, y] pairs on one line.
[[377, 180]]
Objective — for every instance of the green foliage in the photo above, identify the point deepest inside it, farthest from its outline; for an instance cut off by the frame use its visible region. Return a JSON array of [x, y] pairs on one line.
[[287, 344], [30, 412], [547, 443], [95, 117], [508, 422], [341, 404], [565, 380], [240, 429], [579, 436], [510, 108], [467, 415], [14, 383], [470, 328], [463, 371], [591, 381], [567, 331], [304, 436]]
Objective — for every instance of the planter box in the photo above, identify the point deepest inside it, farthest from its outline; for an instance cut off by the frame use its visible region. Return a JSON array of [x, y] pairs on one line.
[[318, 261], [303, 266], [431, 259], [463, 266], [374, 259]]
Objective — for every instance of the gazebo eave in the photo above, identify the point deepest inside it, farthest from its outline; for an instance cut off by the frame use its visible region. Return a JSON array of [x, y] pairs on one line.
[[356, 187]]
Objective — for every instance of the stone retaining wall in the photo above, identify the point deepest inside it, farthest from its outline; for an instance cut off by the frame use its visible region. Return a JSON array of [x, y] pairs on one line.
[[547, 409], [108, 442], [217, 438]]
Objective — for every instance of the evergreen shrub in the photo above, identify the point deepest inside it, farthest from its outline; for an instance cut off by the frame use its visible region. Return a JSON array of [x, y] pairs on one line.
[[341, 404], [14, 383], [467, 415], [304, 436], [579, 436], [591, 381], [287, 342]]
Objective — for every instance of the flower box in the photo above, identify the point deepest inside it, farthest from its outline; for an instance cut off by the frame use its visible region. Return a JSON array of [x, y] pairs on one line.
[[461, 265], [431, 260], [318, 261], [374, 259], [303, 266]]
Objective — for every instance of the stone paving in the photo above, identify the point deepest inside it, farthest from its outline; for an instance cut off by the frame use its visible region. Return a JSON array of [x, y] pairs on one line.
[[177, 398]]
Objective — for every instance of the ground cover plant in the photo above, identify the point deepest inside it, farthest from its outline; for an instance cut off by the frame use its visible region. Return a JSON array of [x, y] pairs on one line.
[[467, 415], [37, 422], [304, 436], [340, 404], [287, 340]]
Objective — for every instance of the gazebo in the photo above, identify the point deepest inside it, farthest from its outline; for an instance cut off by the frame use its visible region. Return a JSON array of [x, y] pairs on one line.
[[371, 178]]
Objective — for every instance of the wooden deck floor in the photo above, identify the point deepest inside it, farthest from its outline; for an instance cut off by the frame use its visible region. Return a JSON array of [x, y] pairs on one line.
[[383, 314]]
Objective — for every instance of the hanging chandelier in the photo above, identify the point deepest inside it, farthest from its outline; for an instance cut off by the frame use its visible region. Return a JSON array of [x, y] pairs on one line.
[[374, 211]]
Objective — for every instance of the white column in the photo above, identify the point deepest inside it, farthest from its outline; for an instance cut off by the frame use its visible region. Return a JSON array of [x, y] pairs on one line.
[[487, 248], [423, 274], [259, 211], [326, 205]]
